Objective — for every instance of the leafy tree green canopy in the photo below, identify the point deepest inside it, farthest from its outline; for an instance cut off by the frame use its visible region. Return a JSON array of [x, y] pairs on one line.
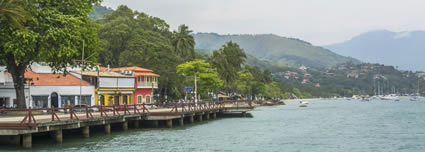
[[245, 81], [207, 77], [273, 90], [131, 38], [54, 34]]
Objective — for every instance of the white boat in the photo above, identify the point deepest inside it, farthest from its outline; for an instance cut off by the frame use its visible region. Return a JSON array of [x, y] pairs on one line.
[[389, 97], [303, 105]]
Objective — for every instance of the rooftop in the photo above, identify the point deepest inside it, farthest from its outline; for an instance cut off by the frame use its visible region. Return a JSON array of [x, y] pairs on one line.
[[133, 68], [101, 74], [50, 79]]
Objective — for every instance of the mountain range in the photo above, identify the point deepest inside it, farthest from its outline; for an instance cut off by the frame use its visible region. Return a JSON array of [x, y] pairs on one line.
[[405, 50], [276, 49]]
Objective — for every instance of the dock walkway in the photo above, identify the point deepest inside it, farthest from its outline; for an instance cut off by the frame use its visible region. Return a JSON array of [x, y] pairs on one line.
[[18, 130]]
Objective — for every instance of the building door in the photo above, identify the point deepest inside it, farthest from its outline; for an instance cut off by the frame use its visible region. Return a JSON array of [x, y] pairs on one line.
[[102, 100], [124, 100], [116, 100], [54, 101]]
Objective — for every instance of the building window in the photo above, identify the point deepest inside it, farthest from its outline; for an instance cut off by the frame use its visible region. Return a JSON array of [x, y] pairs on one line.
[[116, 100], [148, 99], [67, 101], [85, 100], [111, 100], [4, 102], [40, 101], [139, 99]]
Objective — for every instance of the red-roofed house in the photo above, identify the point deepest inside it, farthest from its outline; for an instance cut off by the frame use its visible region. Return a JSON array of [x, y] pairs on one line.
[[145, 82], [57, 90], [46, 90]]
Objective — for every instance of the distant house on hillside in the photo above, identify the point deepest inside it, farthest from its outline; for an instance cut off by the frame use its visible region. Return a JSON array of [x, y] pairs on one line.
[[289, 74], [305, 81], [304, 68], [353, 75]]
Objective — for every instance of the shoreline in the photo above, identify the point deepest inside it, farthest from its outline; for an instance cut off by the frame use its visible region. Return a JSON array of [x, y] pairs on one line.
[[307, 99]]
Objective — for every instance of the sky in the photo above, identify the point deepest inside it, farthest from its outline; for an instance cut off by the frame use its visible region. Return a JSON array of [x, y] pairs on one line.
[[320, 22]]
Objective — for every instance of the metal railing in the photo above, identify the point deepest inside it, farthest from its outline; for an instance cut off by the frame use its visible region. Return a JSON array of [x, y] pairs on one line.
[[42, 115]]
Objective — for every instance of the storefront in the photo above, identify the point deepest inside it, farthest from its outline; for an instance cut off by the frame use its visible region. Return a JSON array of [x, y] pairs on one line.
[[111, 88]]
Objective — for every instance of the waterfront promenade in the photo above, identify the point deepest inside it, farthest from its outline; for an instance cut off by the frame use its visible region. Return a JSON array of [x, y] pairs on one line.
[[18, 130]]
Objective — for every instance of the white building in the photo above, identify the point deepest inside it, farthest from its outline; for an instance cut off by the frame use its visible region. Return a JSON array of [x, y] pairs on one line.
[[48, 89], [7, 90]]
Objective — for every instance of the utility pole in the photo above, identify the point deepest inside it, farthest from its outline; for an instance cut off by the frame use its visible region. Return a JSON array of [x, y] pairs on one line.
[[196, 95], [81, 72]]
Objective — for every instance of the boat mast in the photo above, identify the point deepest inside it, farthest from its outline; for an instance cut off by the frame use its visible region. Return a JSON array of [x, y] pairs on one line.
[[417, 91]]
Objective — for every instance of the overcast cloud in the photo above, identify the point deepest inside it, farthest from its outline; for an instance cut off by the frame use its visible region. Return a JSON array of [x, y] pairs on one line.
[[320, 22]]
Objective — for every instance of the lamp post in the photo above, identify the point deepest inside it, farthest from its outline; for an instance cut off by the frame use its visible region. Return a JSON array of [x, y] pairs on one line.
[[30, 82], [153, 83]]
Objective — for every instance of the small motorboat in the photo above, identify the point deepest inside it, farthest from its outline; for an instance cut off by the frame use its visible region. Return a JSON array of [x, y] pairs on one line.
[[303, 104]]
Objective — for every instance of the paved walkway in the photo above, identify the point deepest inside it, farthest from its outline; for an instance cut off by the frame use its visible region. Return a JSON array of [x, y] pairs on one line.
[[82, 115]]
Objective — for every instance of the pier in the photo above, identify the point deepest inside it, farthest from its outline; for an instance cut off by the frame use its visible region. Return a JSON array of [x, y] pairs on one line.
[[18, 126]]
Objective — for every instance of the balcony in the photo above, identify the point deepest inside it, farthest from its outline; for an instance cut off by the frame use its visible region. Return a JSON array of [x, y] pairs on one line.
[[147, 85]]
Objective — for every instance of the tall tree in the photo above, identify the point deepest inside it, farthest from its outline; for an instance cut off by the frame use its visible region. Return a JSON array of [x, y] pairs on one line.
[[54, 35], [132, 38], [229, 60], [184, 43]]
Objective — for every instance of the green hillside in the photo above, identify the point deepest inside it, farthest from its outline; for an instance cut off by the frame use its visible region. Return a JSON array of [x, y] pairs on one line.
[[254, 61], [273, 48]]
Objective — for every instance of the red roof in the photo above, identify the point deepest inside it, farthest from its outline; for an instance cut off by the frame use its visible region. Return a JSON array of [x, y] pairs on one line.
[[50, 79], [136, 70], [133, 68], [146, 74], [103, 69]]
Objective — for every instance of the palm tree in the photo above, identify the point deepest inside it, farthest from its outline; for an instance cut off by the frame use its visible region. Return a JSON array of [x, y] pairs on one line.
[[184, 43], [13, 12], [228, 61]]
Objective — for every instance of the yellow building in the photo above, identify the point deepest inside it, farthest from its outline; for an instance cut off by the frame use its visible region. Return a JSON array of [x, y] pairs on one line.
[[111, 88]]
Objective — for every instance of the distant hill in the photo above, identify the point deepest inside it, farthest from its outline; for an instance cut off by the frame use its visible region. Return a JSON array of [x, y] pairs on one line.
[[99, 12], [404, 49], [253, 61], [273, 48]]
